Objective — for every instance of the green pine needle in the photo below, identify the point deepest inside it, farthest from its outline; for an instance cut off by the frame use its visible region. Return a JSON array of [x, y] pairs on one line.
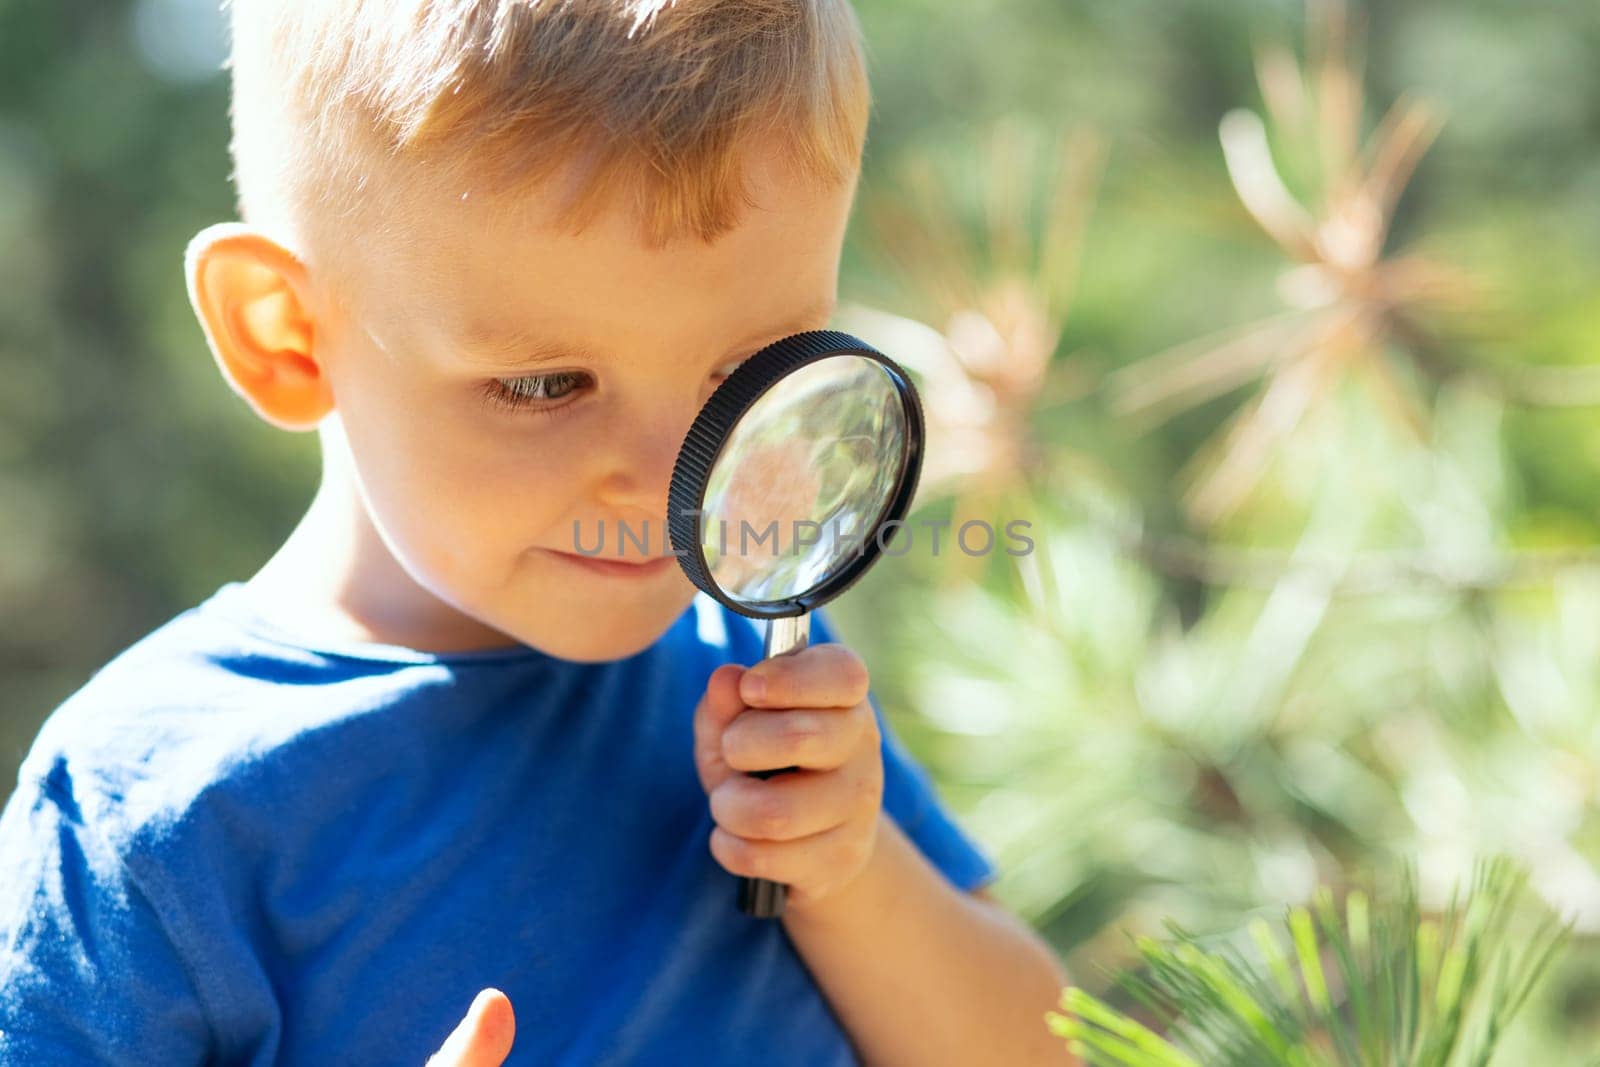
[[1412, 990]]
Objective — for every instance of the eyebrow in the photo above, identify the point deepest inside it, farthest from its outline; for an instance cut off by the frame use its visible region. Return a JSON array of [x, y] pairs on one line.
[[512, 348]]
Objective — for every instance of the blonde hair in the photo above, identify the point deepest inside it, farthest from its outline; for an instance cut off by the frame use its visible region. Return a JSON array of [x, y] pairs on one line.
[[650, 100]]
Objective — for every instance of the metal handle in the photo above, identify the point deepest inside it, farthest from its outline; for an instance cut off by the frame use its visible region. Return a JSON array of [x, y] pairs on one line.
[[758, 896]]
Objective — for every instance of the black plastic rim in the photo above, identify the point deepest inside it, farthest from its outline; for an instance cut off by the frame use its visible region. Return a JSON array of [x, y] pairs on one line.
[[709, 435]]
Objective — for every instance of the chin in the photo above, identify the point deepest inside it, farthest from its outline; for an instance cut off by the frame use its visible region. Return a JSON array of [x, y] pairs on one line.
[[603, 639], [599, 648], [585, 624]]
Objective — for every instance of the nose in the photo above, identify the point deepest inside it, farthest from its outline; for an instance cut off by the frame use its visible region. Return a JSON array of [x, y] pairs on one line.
[[636, 458]]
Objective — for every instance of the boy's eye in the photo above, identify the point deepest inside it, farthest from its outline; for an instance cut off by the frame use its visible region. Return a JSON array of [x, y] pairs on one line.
[[536, 392], [533, 392]]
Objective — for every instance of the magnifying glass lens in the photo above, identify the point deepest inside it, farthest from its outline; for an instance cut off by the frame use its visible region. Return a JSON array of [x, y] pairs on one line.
[[803, 479]]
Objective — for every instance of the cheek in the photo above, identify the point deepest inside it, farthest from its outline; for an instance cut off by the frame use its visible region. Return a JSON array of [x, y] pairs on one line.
[[455, 486], [521, 473], [393, 444]]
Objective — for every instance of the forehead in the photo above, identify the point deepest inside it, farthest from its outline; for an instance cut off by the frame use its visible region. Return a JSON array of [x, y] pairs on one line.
[[486, 267]]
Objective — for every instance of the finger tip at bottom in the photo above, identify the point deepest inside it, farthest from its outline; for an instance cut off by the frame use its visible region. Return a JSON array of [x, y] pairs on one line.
[[496, 1022]]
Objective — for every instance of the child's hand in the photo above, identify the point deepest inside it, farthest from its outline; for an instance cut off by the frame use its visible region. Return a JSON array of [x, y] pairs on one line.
[[483, 1038], [813, 829]]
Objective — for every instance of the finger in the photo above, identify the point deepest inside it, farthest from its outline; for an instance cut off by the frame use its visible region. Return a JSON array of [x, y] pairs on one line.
[[809, 865], [818, 676], [718, 706], [793, 806], [483, 1038], [818, 739]]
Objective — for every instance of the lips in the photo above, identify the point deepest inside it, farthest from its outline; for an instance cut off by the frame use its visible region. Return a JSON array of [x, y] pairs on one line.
[[618, 567]]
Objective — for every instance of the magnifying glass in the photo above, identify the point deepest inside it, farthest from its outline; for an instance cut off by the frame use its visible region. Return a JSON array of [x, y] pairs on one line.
[[784, 488]]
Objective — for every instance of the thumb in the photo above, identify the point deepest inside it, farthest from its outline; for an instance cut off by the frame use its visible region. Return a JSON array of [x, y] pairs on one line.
[[483, 1038], [720, 705]]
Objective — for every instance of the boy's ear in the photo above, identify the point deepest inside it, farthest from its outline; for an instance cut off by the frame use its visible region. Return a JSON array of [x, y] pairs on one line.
[[252, 297]]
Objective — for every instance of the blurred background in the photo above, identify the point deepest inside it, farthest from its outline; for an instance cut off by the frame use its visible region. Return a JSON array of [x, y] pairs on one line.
[[1279, 325]]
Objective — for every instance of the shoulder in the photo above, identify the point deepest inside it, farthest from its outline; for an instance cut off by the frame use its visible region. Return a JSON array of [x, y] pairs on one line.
[[186, 709], [120, 733]]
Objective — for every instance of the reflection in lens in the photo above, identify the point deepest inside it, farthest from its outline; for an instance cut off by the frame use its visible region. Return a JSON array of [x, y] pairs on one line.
[[804, 479]]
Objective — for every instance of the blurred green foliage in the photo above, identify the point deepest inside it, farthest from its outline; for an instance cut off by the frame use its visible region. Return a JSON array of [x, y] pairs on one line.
[[1388, 651]]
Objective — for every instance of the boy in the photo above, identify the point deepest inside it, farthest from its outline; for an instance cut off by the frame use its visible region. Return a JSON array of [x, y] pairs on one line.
[[497, 254]]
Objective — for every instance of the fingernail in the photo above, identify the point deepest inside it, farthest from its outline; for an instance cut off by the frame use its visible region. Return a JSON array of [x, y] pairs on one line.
[[754, 686]]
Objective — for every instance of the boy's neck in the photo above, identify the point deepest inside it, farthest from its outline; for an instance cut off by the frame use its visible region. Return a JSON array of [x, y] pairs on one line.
[[335, 578]]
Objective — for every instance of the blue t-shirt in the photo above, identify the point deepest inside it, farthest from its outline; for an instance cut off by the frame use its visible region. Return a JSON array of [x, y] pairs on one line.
[[233, 845]]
